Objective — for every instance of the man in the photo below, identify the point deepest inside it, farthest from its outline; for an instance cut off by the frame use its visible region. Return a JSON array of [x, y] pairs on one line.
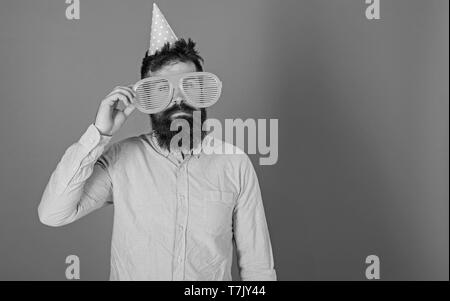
[[177, 210]]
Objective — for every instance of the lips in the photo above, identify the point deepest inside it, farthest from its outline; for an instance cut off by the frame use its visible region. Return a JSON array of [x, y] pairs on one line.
[[180, 110], [179, 113]]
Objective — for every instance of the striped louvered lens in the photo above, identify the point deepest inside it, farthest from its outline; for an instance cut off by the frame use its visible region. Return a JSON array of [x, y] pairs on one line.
[[152, 95], [202, 89]]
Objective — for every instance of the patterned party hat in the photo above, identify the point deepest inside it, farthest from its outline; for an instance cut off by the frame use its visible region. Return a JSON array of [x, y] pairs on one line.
[[161, 31]]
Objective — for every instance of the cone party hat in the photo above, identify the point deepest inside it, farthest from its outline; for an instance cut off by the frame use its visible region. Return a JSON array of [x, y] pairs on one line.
[[161, 32]]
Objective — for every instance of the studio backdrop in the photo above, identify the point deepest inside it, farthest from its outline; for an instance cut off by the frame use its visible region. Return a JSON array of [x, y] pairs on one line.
[[361, 105]]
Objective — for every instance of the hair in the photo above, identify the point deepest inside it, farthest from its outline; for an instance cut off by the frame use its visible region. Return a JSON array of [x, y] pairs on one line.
[[180, 51]]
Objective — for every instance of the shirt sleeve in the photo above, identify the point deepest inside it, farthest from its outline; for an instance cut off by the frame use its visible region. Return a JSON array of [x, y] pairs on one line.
[[251, 235], [81, 182]]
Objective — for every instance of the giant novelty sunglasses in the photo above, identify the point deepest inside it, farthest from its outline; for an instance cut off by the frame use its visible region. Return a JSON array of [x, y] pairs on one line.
[[154, 94]]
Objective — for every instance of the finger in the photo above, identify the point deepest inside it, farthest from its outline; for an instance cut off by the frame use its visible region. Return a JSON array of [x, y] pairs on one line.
[[127, 95], [113, 100], [128, 110], [123, 91], [110, 100], [131, 91], [126, 88], [130, 88]]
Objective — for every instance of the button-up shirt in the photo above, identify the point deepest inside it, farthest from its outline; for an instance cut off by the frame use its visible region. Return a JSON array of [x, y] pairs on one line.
[[176, 216]]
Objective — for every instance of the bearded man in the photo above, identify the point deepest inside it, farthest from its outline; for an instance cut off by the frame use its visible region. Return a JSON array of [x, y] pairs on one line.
[[178, 211]]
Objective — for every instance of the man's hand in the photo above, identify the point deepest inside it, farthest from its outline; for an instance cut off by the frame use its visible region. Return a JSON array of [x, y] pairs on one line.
[[109, 117]]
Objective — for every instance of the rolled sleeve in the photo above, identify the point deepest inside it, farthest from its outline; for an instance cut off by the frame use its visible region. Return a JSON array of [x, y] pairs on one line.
[[80, 183], [254, 249]]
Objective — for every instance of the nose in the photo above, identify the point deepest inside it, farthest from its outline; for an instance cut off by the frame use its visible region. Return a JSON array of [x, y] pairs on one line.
[[177, 100], [177, 97]]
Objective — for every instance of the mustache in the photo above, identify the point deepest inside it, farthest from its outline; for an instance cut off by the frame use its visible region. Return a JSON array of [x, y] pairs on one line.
[[179, 108]]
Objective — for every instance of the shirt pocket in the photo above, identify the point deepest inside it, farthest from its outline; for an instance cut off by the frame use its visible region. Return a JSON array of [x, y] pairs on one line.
[[218, 211]]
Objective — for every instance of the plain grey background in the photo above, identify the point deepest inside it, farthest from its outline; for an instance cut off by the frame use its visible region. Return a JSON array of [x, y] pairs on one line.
[[363, 124]]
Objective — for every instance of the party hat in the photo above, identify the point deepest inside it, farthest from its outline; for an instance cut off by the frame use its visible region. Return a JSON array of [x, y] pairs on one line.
[[161, 31]]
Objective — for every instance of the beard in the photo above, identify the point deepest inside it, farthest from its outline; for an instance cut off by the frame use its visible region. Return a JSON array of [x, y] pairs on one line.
[[161, 125]]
